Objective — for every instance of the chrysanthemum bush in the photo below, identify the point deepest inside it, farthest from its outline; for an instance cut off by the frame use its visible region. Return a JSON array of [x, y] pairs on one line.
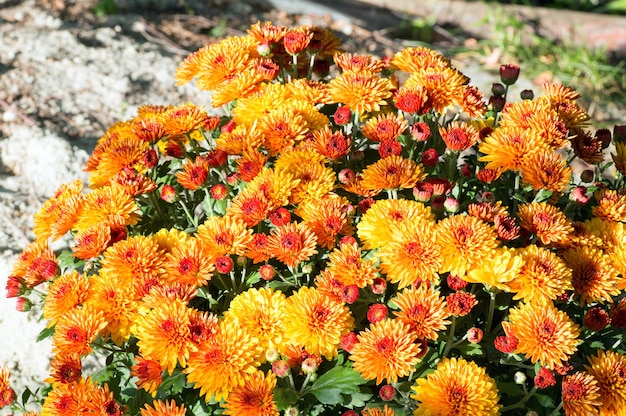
[[349, 236]]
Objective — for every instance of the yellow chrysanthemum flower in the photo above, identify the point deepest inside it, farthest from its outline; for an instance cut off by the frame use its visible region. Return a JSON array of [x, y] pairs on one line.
[[392, 172], [546, 170], [386, 351], [223, 363], [594, 278], [466, 242], [223, 236], [160, 408], [58, 214], [498, 270], [316, 321], [381, 220], [254, 398], [362, 92], [580, 395], [260, 312], [107, 204], [508, 147], [545, 333], [608, 368], [423, 310], [456, 387]]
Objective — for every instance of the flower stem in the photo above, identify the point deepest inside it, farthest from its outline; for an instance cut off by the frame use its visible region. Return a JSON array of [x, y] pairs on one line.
[[521, 402], [492, 308], [189, 216], [557, 410], [450, 339]]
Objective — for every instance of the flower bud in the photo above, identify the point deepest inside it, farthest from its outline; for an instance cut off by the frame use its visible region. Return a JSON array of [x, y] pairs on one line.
[[280, 368], [474, 335], [379, 285], [349, 413], [150, 158], [346, 175], [604, 136], [509, 73], [377, 312], [455, 282], [423, 191], [23, 304], [619, 133], [15, 286], [347, 239], [587, 176], [228, 127], [451, 205], [497, 103], [519, 378], [430, 157], [292, 411], [310, 364], [271, 355], [579, 195], [365, 204], [264, 49], [544, 378], [224, 264], [348, 341], [232, 178], [358, 155], [387, 392], [350, 294], [342, 115], [219, 191], [596, 318], [420, 131], [267, 272], [169, 194], [280, 216], [466, 170], [437, 203], [527, 94], [498, 89]]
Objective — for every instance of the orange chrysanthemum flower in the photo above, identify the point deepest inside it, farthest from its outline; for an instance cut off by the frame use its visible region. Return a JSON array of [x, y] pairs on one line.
[[385, 411], [92, 242], [36, 264], [58, 214], [456, 387], [418, 59], [316, 321], [223, 362], [281, 129], [292, 243], [497, 270], [580, 395], [64, 369], [459, 136], [149, 374], [194, 174], [411, 99], [619, 157], [225, 235], [115, 299], [267, 33], [444, 86], [347, 265], [354, 62], [70, 399], [250, 164], [562, 99], [167, 408], [66, 293], [546, 170], [545, 334], [423, 310], [387, 126], [189, 264], [239, 140], [181, 119], [275, 185], [76, 330], [332, 144], [472, 102], [542, 277], [260, 312], [362, 92], [593, 276], [392, 172], [508, 147], [608, 368], [314, 92], [254, 398], [108, 204], [379, 224], [251, 208], [386, 351], [164, 335], [465, 243], [327, 217], [315, 179], [413, 255], [546, 221], [611, 205]]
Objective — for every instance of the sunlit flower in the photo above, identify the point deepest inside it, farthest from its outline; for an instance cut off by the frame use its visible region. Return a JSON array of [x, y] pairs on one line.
[[546, 221], [391, 173], [223, 362], [36, 264], [378, 224], [239, 140], [466, 242], [385, 411], [355, 62], [413, 255], [66, 293], [508, 147], [459, 136], [386, 351], [347, 265], [163, 334], [445, 86], [418, 58], [611, 205], [260, 312], [327, 217], [316, 321], [282, 129], [189, 264], [160, 408], [387, 126], [58, 214], [107, 204], [315, 92], [254, 398], [362, 92], [423, 310], [225, 235], [580, 395], [69, 399], [546, 170], [594, 278], [456, 387], [76, 330], [608, 369], [498, 270], [251, 208], [292, 243], [148, 373], [194, 174], [332, 144], [545, 334], [543, 275]]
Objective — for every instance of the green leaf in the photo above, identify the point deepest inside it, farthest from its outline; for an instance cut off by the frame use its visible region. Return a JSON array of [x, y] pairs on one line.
[[597, 345], [284, 397], [357, 400], [470, 349], [545, 401], [45, 333], [337, 381], [66, 260]]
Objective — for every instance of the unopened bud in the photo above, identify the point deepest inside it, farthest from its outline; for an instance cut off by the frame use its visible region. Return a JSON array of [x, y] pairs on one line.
[[387, 392], [509, 73], [527, 94], [519, 378]]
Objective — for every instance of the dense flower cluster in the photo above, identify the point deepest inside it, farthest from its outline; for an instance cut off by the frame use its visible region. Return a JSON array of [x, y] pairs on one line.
[[350, 236]]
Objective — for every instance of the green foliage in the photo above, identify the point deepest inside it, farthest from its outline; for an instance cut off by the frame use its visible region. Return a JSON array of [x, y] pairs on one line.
[[105, 7]]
